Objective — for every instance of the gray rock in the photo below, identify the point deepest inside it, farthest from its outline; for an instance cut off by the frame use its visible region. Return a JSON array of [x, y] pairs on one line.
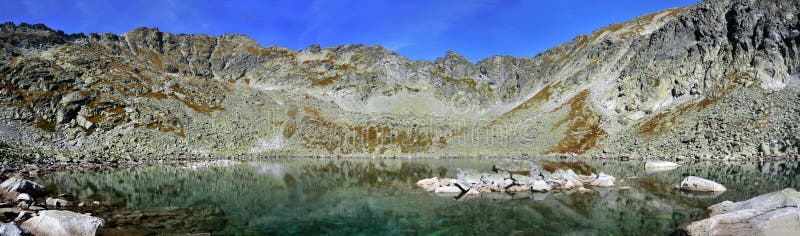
[[776, 213], [82, 121], [524, 179], [448, 189], [564, 180], [57, 202], [429, 185], [540, 186], [587, 179], [14, 186], [24, 197], [51, 222], [604, 180], [660, 165], [693, 183], [10, 229], [500, 181], [518, 188]]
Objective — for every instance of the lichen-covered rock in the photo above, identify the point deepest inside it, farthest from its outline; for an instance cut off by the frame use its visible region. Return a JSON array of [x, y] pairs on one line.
[[52, 222], [693, 183], [776, 213]]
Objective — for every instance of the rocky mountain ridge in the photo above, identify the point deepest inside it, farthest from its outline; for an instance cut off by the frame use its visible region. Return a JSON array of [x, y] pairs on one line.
[[717, 79]]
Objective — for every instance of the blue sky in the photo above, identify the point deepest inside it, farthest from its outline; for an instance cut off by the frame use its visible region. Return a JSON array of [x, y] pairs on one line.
[[414, 28]]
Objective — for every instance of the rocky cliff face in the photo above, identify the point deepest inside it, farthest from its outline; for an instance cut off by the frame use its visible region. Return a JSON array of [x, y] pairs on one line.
[[719, 78]]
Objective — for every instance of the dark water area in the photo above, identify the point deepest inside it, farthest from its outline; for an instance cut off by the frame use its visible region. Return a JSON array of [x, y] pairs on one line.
[[365, 196]]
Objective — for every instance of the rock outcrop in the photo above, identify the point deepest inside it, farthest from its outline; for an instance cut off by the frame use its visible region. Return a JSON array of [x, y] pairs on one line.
[[719, 78], [776, 213]]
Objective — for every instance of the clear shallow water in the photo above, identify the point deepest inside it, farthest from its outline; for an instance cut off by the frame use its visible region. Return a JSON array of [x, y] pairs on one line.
[[346, 197]]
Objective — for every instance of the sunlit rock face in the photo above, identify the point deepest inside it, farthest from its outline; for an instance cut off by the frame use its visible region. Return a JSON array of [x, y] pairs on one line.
[[715, 79]]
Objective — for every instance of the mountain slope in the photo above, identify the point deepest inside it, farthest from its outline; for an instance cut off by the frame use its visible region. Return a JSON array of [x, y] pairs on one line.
[[715, 79]]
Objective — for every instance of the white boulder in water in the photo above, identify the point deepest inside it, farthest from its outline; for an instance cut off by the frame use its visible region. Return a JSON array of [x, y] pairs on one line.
[[693, 183], [604, 180], [660, 164]]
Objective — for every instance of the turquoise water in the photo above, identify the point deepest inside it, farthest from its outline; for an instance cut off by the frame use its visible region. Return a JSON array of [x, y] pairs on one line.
[[368, 197]]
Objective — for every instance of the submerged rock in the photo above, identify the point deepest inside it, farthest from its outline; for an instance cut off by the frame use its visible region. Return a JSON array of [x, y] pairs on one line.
[[693, 183], [53, 222], [604, 180], [12, 187], [776, 213]]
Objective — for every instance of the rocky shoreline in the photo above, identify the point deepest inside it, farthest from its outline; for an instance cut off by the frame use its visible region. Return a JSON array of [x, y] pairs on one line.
[[25, 211], [776, 213]]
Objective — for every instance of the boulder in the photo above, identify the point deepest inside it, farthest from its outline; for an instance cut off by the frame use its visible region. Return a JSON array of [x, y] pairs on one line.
[[473, 191], [24, 197], [57, 202], [540, 186], [660, 165], [429, 185], [524, 179], [693, 183], [448, 189], [564, 180], [10, 229], [518, 188], [498, 181], [604, 180], [776, 213], [12, 187], [53, 222], [587, 179]]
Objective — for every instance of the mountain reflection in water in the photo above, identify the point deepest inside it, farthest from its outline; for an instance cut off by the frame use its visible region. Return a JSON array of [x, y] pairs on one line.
[[363, 196]]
